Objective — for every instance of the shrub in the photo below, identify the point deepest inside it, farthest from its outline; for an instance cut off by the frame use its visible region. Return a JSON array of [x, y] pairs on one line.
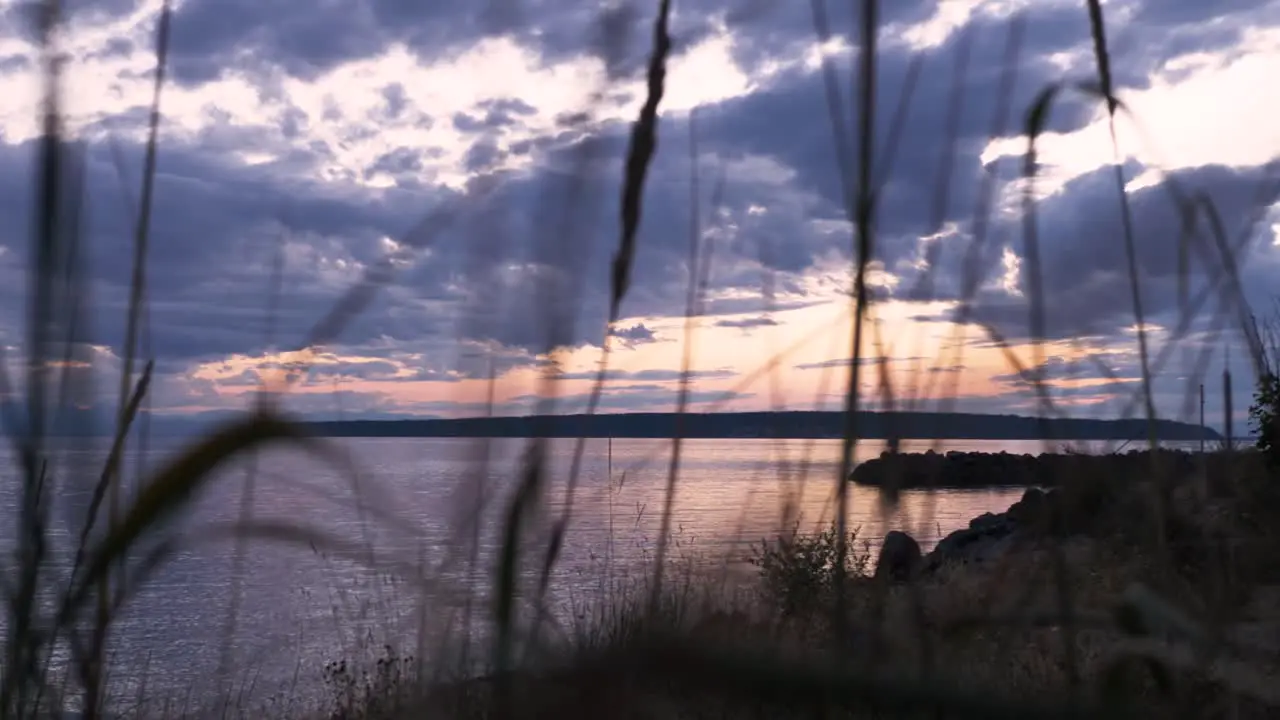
[[1263, 417], [798, 571], [364, 695]]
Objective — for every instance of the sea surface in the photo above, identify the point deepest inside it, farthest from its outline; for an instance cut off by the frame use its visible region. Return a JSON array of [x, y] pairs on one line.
[[377, 542]]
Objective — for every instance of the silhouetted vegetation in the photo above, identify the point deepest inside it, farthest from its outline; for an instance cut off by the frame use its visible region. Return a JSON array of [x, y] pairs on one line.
[[1143, 585], [1264, 413], [1264, 417]]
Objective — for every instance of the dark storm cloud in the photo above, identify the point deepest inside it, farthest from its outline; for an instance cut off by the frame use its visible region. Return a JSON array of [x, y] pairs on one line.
[[787, 122], [1085, 283], [216, 230], [783, 123], [89, 11], [21, 19], [1158, 32], [1163, 15], [542, 247], [772, 28], [212, 36]]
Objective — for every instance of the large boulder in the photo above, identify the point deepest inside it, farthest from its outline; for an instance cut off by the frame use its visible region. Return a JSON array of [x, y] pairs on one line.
[[899, 558]]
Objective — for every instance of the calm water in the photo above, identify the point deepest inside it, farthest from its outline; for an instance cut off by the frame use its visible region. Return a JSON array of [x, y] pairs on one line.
[[405, 505]]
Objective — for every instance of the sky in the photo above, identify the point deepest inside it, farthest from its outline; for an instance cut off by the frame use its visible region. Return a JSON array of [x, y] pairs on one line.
[[471, 154]]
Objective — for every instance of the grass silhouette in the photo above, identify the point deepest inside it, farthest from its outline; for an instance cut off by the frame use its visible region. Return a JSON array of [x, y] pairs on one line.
[[1125, 618]]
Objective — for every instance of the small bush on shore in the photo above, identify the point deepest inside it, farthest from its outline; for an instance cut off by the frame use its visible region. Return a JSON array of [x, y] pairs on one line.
[[1264, 418], [797, 571]]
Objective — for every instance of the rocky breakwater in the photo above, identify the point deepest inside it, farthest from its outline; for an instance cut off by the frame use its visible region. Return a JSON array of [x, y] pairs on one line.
[[1099, 497], [991, 535], [986, 539], [960, 470]]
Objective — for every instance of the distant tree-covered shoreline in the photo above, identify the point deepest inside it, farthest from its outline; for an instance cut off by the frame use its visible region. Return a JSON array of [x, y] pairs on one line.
[[792, 425]]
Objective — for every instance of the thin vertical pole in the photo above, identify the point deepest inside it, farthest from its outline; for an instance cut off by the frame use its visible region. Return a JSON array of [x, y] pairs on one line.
[[1201, 418], [1204, 460], [608, 486], [1226, 403]]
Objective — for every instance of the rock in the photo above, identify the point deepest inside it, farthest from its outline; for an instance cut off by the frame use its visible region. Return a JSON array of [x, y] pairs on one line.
[[1031, 513], [991, 522], [961, 469], [899, 558], [987, 537]]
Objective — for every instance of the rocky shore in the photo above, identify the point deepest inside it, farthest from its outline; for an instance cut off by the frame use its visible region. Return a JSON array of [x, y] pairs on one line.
[[1104, 498], [988, 537], [981, 470]]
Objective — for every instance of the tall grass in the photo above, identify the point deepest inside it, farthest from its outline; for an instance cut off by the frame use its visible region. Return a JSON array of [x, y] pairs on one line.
[[655, 643]]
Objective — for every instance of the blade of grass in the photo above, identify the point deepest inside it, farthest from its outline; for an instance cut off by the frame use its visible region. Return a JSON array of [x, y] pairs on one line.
[[862, 253], [113, 460], [1227, 259], [1097, 29], [924, 286], [24, 642], [697, 278], [898, 123], [571, 247], [506, 587], [643, 145], [172, 489], [972, 270]]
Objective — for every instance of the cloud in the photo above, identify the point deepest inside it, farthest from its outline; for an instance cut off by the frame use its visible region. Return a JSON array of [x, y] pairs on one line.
[[653, 375], [633, 398], [747, 323], [846, 362], [635, 335], [1085, 284], [1092, 366]]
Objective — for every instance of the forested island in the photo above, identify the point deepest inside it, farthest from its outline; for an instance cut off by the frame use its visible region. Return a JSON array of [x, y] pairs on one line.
[[782, 425]]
